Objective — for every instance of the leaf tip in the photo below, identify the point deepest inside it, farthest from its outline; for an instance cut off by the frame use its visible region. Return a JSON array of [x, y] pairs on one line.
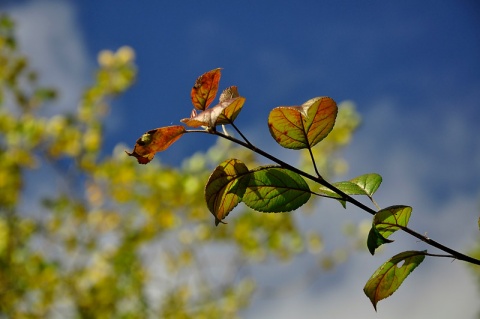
[[375, 239], [219, 221], [140, 159]]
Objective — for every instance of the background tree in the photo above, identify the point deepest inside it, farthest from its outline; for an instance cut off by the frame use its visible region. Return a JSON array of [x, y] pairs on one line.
[[101, 236]]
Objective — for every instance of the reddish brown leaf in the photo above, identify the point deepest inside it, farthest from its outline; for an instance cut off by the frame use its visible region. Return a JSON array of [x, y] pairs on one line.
[[154, 141], [205, 89]]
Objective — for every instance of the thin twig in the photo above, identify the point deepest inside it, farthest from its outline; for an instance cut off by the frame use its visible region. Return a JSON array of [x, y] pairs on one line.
[[343, 195], [313, 162], [243, 136]]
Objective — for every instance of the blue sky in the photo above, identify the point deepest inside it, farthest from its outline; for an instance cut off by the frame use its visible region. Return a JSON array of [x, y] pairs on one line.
[[411, 67]]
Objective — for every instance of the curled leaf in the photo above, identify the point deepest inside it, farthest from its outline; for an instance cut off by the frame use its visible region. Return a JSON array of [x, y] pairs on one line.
[[375, 240], [386, 279], [205, 89], [228, 94], [298, 127], [225, 188], [386, 222], [154, 141], [266, 189], [223, 113], [230, 112], [272, 189]]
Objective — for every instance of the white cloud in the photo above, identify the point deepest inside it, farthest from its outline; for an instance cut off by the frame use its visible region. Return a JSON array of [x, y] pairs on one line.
[[397, 145], [49, 35], [414, 160], [437, 289]]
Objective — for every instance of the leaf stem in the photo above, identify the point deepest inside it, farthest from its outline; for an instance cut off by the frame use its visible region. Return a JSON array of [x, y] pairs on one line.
[[313, 162], [243, 136], [374, 202], [438, 255], [320, 180]]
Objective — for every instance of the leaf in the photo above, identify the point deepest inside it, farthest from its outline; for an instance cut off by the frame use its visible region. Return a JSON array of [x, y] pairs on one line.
[[386, 222], [266, 189], [229, 93], [368, 183], [154, 141], [45, 94], [222, 113], [391, 219], [386, 279], [375, 240], [231, 111], [225, 188], [298, 127], [205, 89], [347, 187], [273, 189]]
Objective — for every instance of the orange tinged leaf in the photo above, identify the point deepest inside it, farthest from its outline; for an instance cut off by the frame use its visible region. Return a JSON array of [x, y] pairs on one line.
[[230, 111], [388, 278], [205, 89], [222, 113], [225, 188], [298, 127], [154, 141]]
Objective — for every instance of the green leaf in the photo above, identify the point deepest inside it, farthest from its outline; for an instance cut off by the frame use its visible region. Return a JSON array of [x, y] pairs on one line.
[[298, 127], [266, 189], [6, 22], [386, 279], [45, 94], [375, 240], [273, 189], [349, 188], [386, 222], [368, 183], [391, 219], [225, 188], [345, 187]]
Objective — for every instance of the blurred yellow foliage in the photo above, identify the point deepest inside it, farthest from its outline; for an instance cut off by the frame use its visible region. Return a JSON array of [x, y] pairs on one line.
[[107, 238]]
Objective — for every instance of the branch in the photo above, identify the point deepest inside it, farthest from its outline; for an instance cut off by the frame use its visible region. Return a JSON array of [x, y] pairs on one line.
[[320, 180]]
